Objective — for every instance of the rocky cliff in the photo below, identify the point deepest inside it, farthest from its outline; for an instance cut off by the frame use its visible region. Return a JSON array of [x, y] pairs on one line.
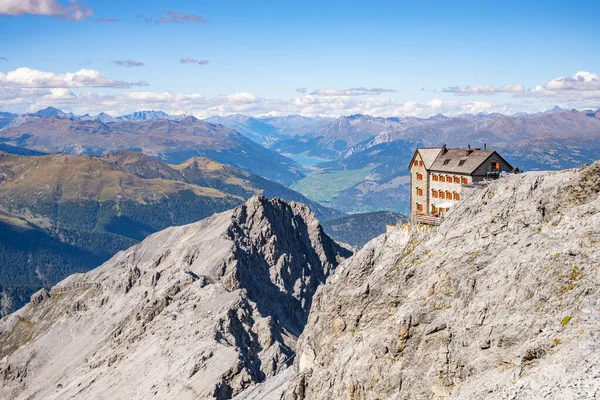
[[499, 302], [196, 311]]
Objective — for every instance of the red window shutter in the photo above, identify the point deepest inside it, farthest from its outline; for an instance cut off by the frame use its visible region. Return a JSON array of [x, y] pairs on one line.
[[416, 163]]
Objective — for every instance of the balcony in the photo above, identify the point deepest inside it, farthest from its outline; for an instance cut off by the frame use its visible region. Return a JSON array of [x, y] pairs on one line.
[[427, 219]]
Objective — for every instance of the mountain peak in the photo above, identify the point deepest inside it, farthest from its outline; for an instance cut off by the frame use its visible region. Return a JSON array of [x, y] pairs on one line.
[[52, 112], [227, 296]]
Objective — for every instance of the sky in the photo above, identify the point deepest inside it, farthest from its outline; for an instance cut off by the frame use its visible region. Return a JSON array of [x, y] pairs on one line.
[[327, 57]]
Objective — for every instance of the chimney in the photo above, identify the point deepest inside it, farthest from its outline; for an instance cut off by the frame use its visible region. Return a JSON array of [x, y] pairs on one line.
[[444, 149], [469, 147], [469, 151], [485, 146]]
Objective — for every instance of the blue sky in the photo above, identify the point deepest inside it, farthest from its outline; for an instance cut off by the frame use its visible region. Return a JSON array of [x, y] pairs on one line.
[[283, 57]]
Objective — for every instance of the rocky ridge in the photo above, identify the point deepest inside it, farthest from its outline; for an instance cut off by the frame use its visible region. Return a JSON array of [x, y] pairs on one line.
[[196, 311], [499, 302]]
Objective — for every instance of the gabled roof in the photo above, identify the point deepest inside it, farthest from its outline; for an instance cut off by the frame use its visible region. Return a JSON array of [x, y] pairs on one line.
[[451, 160], [428, 156]]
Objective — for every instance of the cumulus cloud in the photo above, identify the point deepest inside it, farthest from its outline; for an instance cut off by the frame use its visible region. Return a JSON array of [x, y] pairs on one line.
[[203, 62], [105, 20], [301, 90], [484, 90], [581, 81], [583, 88], [127, 63], [355, 91], [31, 78], [22, 100], [75, 11]]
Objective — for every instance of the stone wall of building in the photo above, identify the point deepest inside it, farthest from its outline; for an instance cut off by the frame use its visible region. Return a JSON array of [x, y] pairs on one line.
[[446, 187], [419, 184]]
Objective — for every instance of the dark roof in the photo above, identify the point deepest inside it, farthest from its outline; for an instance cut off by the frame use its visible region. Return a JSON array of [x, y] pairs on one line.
[[460, 161]]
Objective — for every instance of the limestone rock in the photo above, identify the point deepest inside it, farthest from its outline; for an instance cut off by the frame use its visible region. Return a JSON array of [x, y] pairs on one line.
[[196, 311], [499, 302]]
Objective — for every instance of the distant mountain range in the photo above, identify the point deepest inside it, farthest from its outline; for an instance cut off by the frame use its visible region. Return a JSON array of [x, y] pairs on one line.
[[174, 141], [378, 148], [61, 214], [551, 140]]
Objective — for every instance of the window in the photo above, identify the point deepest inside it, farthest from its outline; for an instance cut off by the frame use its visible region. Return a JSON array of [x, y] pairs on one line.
[[435, 209], [456, 196], [416, 163], [461, 163], [420, 207], [419, 192], [449, 195], [449, 179], [464, 180], [434, 193], [442, 178], [442, 195], [420, 163], [419, 176], [446, 161], [435, 178], [456, 179]]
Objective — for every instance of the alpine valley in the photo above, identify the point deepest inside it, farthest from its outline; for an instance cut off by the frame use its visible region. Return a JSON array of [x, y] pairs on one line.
[[64, 213]]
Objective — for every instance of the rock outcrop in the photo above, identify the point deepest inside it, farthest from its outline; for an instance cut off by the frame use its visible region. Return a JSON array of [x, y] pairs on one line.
[[499, 302], [197, 311]]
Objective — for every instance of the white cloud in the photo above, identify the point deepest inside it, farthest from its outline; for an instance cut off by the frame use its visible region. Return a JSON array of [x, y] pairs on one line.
[[74, 11], [581, 81], [484, 90], [582, 89], [355, 91], [31, 78], [27, 100]]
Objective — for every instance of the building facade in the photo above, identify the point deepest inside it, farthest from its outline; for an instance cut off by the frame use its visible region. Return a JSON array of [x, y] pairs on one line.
[[438, 176]]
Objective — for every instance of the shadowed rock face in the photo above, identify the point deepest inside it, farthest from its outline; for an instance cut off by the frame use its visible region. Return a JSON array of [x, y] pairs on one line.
[[197, 311], [499, 302]]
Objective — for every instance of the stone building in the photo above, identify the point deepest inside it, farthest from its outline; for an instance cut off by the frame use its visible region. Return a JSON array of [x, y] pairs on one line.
[[439, 176]]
